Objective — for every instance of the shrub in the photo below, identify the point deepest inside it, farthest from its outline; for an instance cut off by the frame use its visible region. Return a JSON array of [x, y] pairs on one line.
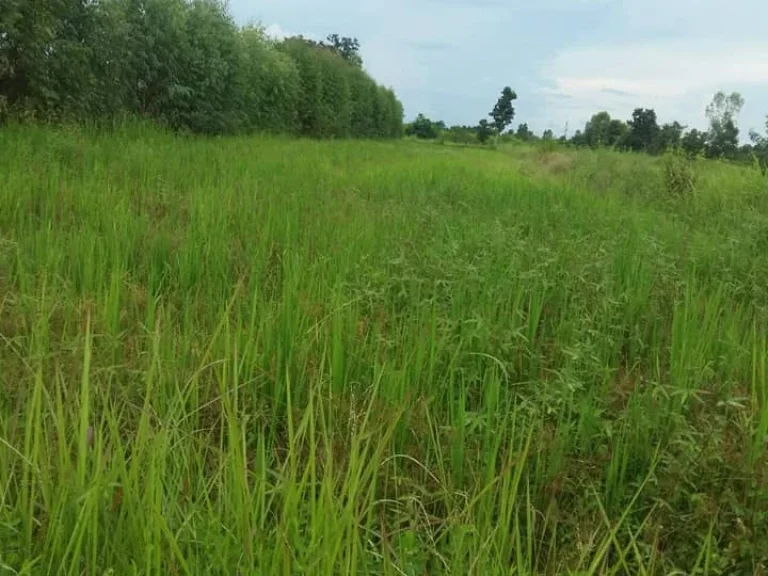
[[679, 176]]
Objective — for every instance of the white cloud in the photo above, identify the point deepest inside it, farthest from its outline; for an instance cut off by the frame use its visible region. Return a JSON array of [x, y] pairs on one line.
[[276, 32], [677, 78], [279, 33]]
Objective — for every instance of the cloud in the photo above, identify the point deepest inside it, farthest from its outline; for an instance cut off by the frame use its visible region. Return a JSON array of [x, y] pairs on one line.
[[676, 77], [567, 59], [276, 32], [615, 92]]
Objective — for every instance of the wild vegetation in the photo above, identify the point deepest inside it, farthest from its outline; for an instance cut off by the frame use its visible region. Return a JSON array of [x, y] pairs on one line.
[[185, 65], [642, 133], [260, 354], [257, 355]]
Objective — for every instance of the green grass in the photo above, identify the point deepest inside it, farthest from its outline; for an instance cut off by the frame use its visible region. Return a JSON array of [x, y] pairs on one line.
[[261, 356]]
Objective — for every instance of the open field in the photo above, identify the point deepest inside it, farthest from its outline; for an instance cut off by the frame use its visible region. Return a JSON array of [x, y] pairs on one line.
[[258, 356]]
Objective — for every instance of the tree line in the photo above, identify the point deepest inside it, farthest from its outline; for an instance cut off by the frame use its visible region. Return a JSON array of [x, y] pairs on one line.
[[184, 64], [641, 133]]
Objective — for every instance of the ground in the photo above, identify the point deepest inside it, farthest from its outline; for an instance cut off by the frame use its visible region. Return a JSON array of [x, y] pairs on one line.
[[264, 355]]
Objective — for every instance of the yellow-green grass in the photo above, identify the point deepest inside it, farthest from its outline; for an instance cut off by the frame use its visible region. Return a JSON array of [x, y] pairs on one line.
[[271, 356]]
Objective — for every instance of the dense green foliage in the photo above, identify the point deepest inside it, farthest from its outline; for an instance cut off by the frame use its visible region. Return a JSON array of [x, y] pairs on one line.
[[390, 358], [503, 112], [184, 64], [424, 128]]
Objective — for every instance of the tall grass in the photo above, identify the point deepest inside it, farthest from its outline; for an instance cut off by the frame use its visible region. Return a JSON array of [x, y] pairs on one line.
[[271, 356]]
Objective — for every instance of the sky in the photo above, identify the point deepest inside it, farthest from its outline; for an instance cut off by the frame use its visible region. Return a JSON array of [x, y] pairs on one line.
[[566, 59]]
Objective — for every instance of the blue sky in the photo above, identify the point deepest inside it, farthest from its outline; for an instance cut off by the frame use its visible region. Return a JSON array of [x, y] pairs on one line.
[[566, 59]]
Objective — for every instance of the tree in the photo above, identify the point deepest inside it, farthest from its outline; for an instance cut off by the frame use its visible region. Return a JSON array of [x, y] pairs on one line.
[[484, 131], [184, 64], [617, 132], [597, 130], [422, 128], [669, 137], [503, 112], [548, 135], [51, 58], [722, 113], [269, 84], [208, 103], [524, 133], [760, 146], [578, 138], [643, 130], [694, 142], [347, 48], [602, 130]]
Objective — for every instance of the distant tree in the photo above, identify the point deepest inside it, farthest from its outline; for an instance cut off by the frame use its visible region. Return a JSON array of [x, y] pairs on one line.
[[596, 131], [578, 139], [484, 131], [760, 146], [722, 113], [602, 130], [694, 142], [423, 128], [617, 132], [548, 135], [524, 133], [669, 136], [503, 112], [347, 48], [643, 130]]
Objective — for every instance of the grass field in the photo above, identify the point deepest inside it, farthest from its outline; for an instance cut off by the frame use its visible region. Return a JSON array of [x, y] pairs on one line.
[[270, 356]]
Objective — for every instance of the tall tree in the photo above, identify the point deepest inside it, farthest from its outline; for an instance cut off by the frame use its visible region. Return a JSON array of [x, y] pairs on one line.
[[643, 130], [602, 130], [347, 48], [669, 136], [503, 112], [186, 65], [722, 113], [597, 130], [694, 142], [617, 132]]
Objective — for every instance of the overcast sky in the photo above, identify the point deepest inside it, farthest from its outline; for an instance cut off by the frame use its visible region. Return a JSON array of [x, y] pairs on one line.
[[566, 59]]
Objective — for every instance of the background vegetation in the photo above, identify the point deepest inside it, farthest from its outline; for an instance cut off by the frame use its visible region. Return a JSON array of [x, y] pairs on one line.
[[642, 133], [185, 65]]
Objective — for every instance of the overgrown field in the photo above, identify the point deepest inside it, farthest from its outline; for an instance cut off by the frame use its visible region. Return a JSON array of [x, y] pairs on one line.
[[257, 356]]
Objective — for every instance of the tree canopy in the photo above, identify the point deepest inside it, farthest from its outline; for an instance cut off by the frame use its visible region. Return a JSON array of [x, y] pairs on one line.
[[184, 64], [503, 112]]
